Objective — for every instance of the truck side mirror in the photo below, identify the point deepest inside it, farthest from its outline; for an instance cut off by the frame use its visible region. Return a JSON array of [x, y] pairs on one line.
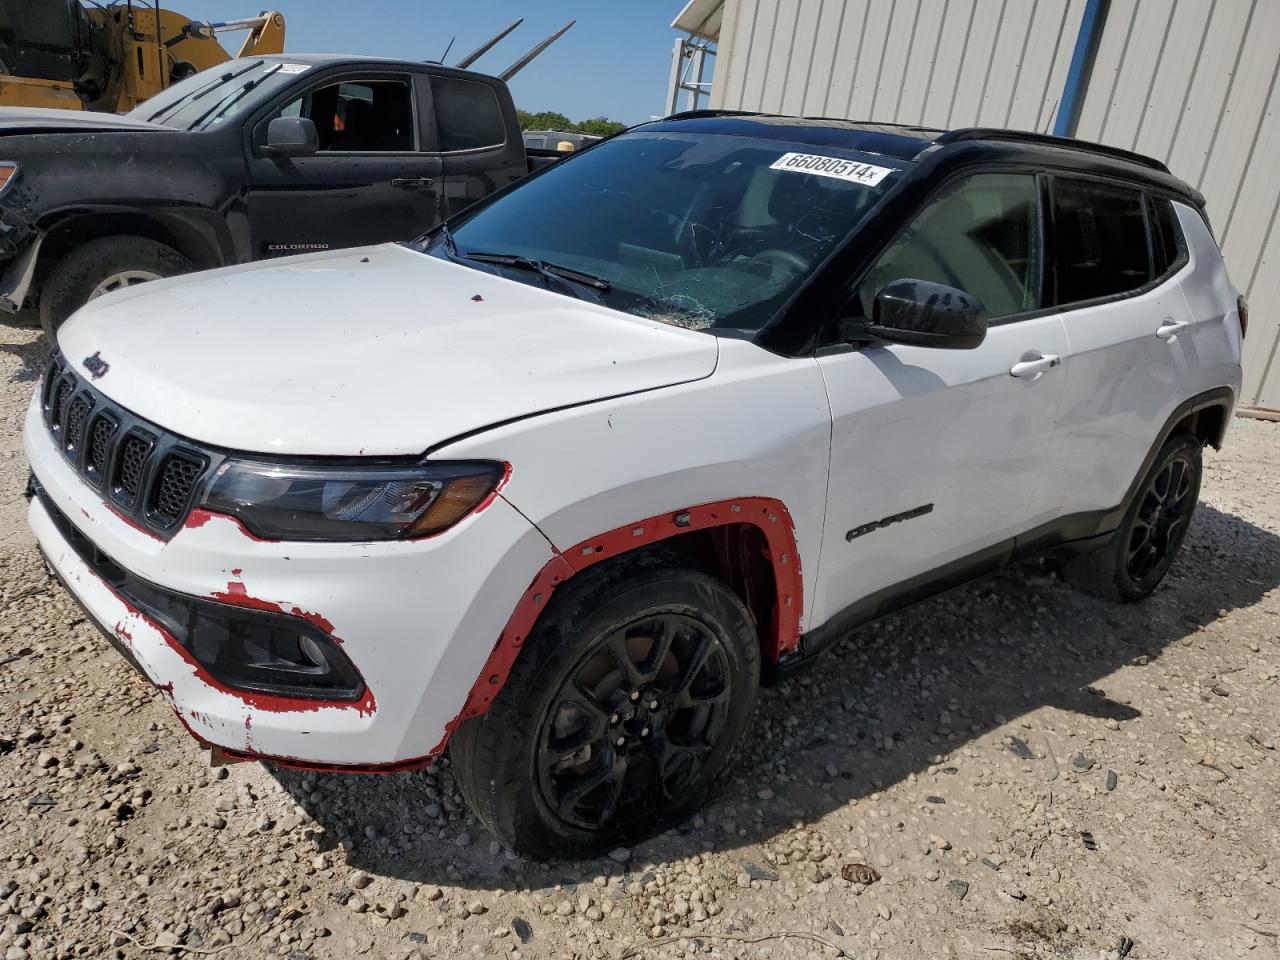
[[292, 137]]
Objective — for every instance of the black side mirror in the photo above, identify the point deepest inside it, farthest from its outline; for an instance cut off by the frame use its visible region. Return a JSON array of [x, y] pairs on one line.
[[926, 314], [292, 137]]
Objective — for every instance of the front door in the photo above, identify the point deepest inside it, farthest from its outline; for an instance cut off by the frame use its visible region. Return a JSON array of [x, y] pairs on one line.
[[936, 455], [368, 183]]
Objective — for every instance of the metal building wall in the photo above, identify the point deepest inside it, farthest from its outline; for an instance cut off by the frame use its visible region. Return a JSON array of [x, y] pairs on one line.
[[1192, 82], [945, 63]]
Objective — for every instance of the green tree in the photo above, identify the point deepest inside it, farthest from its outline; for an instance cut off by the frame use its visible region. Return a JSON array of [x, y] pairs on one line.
[[545, 120], [550, 120], [600, 127]]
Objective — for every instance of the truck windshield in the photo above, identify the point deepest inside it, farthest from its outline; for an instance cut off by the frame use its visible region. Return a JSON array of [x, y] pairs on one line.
[[218, 94], [702, 231]]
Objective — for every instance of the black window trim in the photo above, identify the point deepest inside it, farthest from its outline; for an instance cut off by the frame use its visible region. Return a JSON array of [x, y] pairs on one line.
[[257, 127], [1146, 194]]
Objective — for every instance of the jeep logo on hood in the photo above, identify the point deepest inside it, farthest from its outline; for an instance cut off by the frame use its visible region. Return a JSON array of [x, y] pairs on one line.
[[96, 365]]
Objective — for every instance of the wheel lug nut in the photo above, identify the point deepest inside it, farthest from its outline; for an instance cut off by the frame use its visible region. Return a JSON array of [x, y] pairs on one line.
[[653, 704], [614, 720], [635, 696], [621, 741], [644, 732]]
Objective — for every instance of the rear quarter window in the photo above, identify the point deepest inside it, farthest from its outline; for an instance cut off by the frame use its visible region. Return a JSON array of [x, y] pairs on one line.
[[1099, 240], [468, 115], [1169, 245]]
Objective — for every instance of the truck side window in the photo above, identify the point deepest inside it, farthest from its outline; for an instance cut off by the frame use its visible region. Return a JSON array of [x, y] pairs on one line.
[[981, 236], [374, 116], [467, 114], [1100, 240]]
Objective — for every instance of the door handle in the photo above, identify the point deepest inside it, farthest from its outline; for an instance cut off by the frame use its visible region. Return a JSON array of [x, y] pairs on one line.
[[412, 183], [1169, 329], [1034, 363]]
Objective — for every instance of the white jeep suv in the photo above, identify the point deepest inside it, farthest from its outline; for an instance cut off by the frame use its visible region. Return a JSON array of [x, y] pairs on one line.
[[559, 485]]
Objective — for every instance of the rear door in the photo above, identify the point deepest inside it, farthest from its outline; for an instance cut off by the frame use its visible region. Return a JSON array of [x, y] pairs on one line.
[[937, 455], [480, 144], [1118, 255], [376, 176]]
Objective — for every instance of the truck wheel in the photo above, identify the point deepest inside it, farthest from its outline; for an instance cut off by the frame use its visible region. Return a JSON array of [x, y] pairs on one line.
[[621, 716], [1133, 560], [102, 266]]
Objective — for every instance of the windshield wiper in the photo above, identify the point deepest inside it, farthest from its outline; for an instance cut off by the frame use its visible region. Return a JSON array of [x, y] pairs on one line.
[[568, 278], [207, 88], [218, 109], [450, 244]]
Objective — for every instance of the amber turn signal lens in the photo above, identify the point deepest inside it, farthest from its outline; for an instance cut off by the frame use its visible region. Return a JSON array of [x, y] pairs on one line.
[[8, 171], [460, 497]]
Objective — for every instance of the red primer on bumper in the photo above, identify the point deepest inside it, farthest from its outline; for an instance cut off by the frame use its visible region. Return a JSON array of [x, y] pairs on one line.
[[200, 516], [769, 515], [237, 595]]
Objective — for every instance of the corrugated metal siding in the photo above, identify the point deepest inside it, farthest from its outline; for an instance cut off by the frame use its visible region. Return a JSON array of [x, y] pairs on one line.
[[946, 63], [1193, 82]]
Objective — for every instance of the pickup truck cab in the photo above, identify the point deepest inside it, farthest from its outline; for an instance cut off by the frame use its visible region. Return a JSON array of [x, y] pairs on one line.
[[254, 158], [559, 485]]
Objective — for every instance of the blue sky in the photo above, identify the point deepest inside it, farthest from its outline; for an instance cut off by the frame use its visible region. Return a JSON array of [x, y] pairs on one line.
[[614, 62]]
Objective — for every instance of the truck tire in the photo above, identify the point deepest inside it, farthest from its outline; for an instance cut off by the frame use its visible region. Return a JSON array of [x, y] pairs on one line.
[[1132, 561], [101, 266], [621, 716]]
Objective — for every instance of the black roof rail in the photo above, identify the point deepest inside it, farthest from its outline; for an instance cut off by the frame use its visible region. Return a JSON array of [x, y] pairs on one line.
[[698, 114], [1044, 139]]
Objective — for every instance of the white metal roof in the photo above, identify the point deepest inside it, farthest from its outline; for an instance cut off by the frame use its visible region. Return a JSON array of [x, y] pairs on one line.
[[701, 18]]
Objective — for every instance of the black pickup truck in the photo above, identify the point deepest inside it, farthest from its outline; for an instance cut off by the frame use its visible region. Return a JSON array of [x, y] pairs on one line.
[[255, 158]]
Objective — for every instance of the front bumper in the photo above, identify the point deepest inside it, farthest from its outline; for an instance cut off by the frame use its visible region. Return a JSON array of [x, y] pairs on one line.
[[418, 619]]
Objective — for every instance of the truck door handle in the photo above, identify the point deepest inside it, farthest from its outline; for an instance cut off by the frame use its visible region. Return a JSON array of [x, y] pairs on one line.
[[1169, 329], [1034, 363], [412, 183]]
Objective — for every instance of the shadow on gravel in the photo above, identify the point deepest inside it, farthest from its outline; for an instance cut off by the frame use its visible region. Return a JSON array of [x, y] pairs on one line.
[[32, 355], [915, 686]]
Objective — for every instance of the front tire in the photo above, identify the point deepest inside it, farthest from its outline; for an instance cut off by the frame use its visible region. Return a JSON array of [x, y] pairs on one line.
[[1132, 561], [101, 266], [621, 716]]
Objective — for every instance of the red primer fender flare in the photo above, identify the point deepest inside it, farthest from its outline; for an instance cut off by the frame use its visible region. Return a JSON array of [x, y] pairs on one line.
[[770, 516]]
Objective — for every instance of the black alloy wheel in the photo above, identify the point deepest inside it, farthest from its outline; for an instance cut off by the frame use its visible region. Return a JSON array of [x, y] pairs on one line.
[[630, 728], [1130, 562], [1164, 510], [622, 714]]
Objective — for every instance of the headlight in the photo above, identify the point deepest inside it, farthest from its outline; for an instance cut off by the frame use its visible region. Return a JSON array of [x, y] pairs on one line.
[[8, 173], [280, 501]]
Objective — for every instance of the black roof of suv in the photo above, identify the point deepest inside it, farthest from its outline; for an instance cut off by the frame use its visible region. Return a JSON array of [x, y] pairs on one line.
[[915, 143]]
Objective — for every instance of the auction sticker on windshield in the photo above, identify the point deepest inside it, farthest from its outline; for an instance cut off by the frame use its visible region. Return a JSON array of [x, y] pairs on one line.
[[855, 172]]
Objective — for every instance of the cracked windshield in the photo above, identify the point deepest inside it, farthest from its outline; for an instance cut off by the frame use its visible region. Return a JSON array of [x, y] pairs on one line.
[[698, 231]]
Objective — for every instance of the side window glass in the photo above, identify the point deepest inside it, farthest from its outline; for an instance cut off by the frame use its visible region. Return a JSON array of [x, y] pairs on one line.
[[1100, 240], [467, 114], [374, 116], [981, 236], [1170, 246]]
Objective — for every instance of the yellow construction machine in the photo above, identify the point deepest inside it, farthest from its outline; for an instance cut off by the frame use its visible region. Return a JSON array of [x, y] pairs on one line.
[[110, 57]]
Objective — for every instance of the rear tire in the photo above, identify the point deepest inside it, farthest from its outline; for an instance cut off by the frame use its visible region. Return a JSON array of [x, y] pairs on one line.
[[1132, 561], [608, 730], [99, 266]]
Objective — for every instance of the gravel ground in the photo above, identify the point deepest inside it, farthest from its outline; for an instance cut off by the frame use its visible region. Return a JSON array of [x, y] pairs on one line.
[[1017, 769]]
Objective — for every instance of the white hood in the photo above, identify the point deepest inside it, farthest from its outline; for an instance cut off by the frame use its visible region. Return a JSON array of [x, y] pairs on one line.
[[376, 351]]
